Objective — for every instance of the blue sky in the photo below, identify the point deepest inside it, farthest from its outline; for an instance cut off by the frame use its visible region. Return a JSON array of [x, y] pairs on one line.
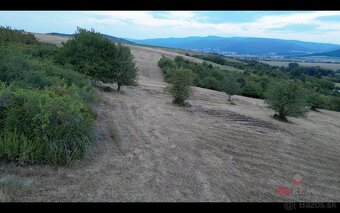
[[318, 26]]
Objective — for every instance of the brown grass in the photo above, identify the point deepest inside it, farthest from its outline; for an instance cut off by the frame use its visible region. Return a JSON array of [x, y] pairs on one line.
[[53, 39], [306, 64]]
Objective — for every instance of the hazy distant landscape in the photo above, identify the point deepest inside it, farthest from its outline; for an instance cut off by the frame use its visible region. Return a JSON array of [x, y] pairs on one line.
[[93, 116], [243, 45]]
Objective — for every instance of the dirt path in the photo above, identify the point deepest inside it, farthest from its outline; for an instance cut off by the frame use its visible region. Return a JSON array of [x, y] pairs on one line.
[[211, 151]]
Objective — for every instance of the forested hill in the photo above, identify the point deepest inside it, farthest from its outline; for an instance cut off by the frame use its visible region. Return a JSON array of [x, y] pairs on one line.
[[242, 45], [335, 53]]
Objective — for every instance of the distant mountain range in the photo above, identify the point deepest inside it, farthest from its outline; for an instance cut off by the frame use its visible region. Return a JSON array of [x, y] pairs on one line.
[[335, 53], [242, 45], [111, 38]]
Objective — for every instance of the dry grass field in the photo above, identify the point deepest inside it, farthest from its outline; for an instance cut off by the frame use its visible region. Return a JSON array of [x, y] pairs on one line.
[[322, 65], [151, 150], [53, 39]]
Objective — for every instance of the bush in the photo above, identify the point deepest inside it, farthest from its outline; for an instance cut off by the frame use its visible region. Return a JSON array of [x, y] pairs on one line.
[[231, 86], [126, 72], [252, 89], [180, 86], [20, 71], [10, 35], [333, 103], [314, 100], [287, 98], [210, 82], [43, 126]]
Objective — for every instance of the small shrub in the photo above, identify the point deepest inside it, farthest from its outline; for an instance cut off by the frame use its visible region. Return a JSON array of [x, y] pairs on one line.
[[179, 87], [231, 86]]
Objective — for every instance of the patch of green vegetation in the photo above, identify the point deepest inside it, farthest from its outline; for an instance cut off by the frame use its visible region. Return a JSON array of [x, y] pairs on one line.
[[287, 98], [99, 58], [257, 77], [10, 35], [45, 108], [179, 87]]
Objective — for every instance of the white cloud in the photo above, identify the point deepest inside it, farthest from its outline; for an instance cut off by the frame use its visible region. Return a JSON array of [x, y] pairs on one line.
[[188, 23]]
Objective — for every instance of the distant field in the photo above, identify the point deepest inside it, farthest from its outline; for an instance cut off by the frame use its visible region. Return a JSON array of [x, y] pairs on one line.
[[54, 39], [306, 64], [337, 84]]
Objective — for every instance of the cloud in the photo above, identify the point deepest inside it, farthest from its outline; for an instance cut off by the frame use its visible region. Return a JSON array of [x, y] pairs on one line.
[[188, 20], [148, 24]]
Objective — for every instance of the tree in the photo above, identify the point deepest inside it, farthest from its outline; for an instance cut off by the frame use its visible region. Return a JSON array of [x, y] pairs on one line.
[[231, 86], [126, 72], [287, 98], [314, 100], [90, 54], [179, 86]]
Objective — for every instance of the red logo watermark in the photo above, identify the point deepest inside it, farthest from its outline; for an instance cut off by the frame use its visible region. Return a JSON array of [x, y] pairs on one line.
[[284, 191], [297, 180]]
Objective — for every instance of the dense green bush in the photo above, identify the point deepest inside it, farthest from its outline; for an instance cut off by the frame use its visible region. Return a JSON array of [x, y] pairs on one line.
[[45, 111], [252, 89], [20, 70], [53, 126], [10, 35], [203, 75], [332, 103], [287, 98]]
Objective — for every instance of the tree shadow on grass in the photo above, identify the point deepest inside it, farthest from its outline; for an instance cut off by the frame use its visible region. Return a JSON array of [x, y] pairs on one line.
[[281, 119]]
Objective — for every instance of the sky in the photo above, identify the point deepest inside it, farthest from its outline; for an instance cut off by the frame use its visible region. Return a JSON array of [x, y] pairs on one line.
[[316, 26]]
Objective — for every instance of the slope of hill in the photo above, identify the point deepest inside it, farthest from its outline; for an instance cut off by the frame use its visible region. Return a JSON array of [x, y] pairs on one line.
[[111, 38], [242, 45], [211, 151], [51, 38], [335, 53]]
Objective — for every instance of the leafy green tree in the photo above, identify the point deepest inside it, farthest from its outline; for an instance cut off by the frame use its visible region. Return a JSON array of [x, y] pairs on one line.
[[11, 35], [179, 86], [90, 54], [126, 72], [287, 98], [231, 86]]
